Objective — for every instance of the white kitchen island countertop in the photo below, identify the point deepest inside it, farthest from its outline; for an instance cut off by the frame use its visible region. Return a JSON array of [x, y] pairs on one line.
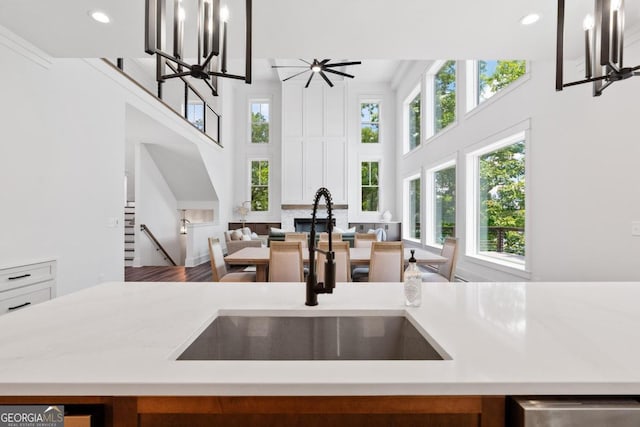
[[504, 339]]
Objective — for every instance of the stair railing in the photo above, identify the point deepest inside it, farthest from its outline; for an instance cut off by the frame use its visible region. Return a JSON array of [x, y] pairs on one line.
[[159, 247]]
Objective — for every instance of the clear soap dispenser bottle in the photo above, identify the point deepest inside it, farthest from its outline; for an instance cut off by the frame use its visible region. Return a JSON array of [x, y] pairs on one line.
[[412, 283]]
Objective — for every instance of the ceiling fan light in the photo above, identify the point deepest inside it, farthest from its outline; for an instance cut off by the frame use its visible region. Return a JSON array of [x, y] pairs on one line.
[[316, 68]]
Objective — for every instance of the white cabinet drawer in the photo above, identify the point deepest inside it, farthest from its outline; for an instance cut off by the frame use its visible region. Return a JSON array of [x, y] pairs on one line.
[[16, 277], [25, 300]]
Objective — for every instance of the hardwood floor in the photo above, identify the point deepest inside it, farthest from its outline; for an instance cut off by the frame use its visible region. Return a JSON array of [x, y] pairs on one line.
[[200, 273]]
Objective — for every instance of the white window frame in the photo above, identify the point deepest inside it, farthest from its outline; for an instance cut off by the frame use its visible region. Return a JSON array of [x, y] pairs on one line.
[[471, 71], [417, 91], [269, 186], [429, 113], [503, 139], [260, 100], [361, 160], [405, 207], [370, 101], [185, 110], [430, 202]]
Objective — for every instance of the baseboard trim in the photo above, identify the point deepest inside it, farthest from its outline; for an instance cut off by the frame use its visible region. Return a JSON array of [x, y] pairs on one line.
[[193, 262]]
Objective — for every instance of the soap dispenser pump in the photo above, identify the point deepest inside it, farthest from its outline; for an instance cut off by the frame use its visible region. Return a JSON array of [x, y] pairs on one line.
[[412, 283]]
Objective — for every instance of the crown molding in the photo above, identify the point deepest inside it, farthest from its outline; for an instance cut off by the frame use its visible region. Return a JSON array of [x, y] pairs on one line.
[[24, 48]]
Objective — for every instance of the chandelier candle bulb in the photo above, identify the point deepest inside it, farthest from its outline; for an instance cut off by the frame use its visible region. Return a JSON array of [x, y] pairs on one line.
[[588, 25], [224, 17]]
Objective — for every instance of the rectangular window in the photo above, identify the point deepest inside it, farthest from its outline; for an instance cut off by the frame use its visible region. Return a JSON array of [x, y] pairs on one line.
[[369, 122], [412, 207], [413, 113], [195, 114], [370, 189], [260, 122], [488, 77], [260, 185], [444, 102], [442, 213], [500, 200], [494, 75]]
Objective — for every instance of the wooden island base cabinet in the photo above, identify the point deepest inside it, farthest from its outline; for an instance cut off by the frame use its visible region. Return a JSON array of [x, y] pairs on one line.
[[283, 411]]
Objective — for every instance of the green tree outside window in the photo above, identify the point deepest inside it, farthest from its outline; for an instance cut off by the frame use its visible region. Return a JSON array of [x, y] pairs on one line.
[[414, 122], [260, 185], [494, 76], [259, 123], [414, 208], [445, 203], [502, 199], [370, 189], [370, 122], [445, 96]]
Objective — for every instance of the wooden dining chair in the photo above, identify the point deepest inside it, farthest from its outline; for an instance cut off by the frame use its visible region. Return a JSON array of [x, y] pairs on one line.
[[285, 262], [364, 240], [219, 268], [387, 262], [445, 272], [297, 237], [324, 237], [343, 261]]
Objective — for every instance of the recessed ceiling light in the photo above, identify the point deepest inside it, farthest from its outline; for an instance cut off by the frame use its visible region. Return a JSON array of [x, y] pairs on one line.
[[100, 16], [529, 19]]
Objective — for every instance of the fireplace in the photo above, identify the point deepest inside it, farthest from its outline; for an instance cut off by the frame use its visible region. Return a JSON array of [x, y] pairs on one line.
[[304, 224]]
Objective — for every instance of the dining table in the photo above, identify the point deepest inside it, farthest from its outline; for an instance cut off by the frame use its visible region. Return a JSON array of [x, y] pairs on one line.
[[359, 257]]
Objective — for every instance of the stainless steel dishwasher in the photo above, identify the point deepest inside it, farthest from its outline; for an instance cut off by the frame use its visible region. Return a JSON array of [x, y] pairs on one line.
[[574, 412]]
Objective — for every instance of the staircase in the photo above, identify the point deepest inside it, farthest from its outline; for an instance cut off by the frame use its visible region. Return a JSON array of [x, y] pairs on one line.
[[129, 233]]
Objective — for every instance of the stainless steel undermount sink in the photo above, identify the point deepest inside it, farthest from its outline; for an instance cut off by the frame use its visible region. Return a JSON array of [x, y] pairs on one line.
[[293, 337]]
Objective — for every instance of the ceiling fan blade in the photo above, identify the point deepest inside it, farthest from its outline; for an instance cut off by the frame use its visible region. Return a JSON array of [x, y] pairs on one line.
[[309, 81], [306, 62], [344, 64], [324, 61], [340, 73], [637, 73], [636, 68], [296, 75], [289, 66], [326, 79]]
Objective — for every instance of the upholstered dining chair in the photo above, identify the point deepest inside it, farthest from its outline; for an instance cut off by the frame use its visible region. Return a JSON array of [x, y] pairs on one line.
[[219, 268], [285, 262], [297, 237], [364, 240], [387, 262], [445, 272], [343, 261]]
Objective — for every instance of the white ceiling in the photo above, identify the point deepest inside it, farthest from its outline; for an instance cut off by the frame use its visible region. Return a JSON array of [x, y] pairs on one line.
[[354, 29]]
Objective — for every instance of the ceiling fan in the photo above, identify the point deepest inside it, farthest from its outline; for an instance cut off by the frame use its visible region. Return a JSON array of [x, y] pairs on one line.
[[319, 67]]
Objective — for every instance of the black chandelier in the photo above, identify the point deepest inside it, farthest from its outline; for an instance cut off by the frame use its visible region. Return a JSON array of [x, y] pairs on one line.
[[211, 22], [604, 47]]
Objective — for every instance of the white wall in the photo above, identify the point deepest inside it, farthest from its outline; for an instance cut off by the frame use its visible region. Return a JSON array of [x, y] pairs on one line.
[[61, 166], [313, 118], [245, 151], [62, 162], [157, 208], [582, 165], [384, 151]]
